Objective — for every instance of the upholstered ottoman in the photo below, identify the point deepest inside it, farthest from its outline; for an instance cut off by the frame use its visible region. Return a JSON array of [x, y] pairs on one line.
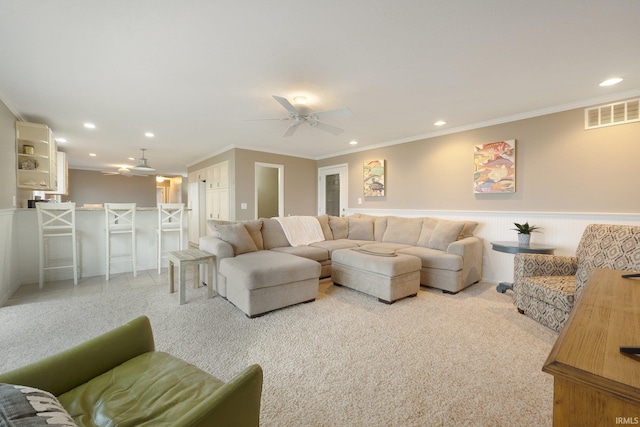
[[263, 281], [389, 278]]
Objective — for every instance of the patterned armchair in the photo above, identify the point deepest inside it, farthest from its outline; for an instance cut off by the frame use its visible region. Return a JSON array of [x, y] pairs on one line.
[[547, 286]]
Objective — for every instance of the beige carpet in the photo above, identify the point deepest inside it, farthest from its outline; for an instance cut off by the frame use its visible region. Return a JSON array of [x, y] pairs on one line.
[[344, 360]]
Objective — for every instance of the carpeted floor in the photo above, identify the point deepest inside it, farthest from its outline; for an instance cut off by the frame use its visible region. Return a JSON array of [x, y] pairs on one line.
[[343, 360]]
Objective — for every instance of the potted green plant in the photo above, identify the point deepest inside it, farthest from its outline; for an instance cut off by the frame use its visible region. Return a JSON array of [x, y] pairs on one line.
[[524, 232]]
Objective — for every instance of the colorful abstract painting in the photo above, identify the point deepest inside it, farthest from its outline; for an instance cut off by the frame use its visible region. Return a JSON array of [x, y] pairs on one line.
[[495, 167], [374, 178]]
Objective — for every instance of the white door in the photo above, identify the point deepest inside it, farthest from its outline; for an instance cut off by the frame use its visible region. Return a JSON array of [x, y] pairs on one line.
[[333, 184]]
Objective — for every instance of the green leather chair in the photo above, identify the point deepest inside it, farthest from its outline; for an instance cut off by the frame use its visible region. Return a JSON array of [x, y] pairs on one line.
[[118, 379]]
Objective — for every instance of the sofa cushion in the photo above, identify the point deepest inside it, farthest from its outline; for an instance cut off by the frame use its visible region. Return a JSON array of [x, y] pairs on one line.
[[379, 225], [333, 245], [445, 233], [254, 227], [428, 225], [360, 228], [272, 234], [31, 407], [339, 227], [154, 388], [402, 230], [263, 269], [468, 229], [433, 258], [309, 252], [324, 224], [382, 246], [212, 223], [238, 237]]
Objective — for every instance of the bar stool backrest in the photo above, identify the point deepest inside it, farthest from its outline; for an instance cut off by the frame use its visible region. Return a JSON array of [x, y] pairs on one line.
[[170, 216], [56, 219], [120, 217]]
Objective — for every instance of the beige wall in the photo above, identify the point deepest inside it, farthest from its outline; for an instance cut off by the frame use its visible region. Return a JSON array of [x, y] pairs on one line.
[[94, 187], [299, 183], [560, 168], [8, 157]]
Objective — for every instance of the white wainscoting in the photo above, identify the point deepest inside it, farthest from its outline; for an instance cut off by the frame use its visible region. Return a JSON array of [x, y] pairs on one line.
[[8, 255], [560, 229]]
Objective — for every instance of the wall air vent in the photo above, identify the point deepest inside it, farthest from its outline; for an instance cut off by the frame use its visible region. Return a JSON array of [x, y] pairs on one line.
[[612, 114]]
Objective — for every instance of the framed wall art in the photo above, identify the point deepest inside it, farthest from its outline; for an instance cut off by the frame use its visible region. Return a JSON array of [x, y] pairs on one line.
[[373, 178], [495, 167]]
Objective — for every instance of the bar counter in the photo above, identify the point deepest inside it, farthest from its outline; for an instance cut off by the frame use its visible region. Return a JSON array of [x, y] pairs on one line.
[[90, 225]]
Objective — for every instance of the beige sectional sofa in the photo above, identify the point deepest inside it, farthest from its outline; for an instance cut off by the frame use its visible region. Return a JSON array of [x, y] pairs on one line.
[[256, 262]]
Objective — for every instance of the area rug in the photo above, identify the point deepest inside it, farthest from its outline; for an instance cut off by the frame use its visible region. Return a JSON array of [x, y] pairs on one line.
[[343, 360]]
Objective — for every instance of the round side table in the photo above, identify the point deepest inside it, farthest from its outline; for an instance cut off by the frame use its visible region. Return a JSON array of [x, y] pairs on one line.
[[516, 248]]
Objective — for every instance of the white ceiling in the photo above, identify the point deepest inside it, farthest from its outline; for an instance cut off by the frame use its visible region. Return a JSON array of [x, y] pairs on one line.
[[191, 71]]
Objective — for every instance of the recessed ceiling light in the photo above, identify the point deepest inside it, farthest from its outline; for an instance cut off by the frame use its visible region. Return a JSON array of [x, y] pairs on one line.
[[89, 125], [353, 142], [130, 158], [611, 82], [149, 134], [93, 154], [440, 123], [61, 140]]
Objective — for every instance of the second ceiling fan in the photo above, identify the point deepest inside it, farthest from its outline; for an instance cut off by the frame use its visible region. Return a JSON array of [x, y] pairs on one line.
[[300, 114]]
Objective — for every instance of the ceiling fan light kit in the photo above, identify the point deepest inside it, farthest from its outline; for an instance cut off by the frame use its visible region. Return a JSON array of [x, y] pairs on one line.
[[300, 113]]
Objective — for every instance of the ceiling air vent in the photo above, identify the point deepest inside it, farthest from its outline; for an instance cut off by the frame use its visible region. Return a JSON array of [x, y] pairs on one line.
[[612, 114]]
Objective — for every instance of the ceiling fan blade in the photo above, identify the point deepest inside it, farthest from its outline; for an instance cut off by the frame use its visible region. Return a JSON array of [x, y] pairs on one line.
[[286, 104], [333, 114], [327, 127], [291, 129], [255, 120]]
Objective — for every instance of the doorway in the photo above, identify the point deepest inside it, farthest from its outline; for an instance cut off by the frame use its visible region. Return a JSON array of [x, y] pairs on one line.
[[269, 185], [333, 190]]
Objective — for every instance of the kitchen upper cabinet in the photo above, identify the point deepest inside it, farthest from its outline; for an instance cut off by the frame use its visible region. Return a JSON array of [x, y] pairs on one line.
[[62, 174], [217, 204], [36, 155], [218, 176], [200, 175]]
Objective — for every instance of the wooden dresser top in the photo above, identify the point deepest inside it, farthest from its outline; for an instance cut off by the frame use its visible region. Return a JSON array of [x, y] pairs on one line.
[[606, 316]]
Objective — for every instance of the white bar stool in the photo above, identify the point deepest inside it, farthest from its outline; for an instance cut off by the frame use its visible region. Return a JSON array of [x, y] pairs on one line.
[[120, 219], [57, 220], [169, 221]]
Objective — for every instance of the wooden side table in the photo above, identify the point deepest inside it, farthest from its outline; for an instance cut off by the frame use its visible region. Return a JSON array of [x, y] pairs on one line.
[[192, 257], [517, 248]]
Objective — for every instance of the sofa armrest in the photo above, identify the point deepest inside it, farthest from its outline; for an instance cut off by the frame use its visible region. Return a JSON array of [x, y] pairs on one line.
[[526, 265], [67, 370], [217, 247], [235, 404], [471, 250], [464, 247]]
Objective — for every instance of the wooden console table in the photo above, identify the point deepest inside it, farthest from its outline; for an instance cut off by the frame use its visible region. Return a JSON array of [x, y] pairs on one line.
[[594, 383]]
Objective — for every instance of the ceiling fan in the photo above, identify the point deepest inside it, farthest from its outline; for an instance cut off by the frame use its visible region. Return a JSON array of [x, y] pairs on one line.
[[124, 172], [300, 113], [141, 169]]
